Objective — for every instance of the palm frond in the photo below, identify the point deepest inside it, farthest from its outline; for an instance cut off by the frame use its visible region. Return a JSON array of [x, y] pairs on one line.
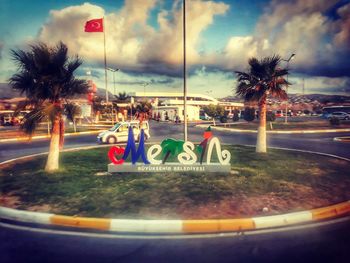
[[72, 111], [46, 74], [264, 77]]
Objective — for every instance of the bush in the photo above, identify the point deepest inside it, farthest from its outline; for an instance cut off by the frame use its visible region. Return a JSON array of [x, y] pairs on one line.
[[334, 121], [235, 116], [223, 119], [249, 114], [214, 110], [270, 116]]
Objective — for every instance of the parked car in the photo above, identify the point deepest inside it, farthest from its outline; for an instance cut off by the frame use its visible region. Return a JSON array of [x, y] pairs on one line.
[[279, 113], [339, 115], [119, 132], [205, 117]]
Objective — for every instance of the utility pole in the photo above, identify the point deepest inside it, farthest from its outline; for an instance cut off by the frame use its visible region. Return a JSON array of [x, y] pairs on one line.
[[114, 70], [287, 60], [184, 68]]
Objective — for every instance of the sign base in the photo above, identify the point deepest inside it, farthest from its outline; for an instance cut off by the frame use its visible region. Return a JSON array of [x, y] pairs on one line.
[[169, 167]]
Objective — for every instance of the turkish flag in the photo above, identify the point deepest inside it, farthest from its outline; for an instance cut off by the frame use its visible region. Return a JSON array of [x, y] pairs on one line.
[[94, 25]]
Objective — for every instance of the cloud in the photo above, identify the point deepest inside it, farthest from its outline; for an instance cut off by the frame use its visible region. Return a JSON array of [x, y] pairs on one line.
[[123, 31], [143, 52], [301, 27], [1, 48], [130, 42], [342, 37], [165, 46], [338, 85]]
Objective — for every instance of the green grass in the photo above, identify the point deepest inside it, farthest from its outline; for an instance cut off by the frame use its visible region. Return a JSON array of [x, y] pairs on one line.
[[76, 189]]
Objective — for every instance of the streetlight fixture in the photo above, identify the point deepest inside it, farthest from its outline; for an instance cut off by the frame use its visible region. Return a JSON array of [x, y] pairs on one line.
[[291, 57], [114, 70]]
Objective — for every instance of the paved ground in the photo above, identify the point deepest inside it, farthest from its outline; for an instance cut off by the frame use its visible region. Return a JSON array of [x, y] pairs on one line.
[[326, 243], [322, 142]]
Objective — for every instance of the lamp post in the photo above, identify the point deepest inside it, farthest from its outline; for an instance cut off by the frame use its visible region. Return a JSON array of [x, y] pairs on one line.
[[144, 88], [287, 60], [184, 68], [114, 70]]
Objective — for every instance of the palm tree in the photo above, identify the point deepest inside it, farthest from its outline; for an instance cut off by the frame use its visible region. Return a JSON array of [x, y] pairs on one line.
[[143, 109], [72, 111], [264, 78], [45, 76], [122, 97]]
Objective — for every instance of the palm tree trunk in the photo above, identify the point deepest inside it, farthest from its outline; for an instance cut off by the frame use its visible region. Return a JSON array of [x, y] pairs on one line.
[[61, 131], [74, 125], [52, 159], [261, 140]]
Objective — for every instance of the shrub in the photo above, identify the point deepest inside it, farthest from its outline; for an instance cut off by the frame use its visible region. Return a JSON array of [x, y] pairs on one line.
[[270, 116], [334, 121], [223, 119], [307, 112], [235, 116], [249, 114]]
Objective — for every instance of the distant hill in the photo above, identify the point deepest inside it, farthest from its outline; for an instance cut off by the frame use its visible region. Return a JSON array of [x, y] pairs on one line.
[[6, 92], [322, 98]]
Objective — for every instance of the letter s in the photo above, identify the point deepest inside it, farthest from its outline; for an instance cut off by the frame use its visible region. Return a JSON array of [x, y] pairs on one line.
[[188, 157]]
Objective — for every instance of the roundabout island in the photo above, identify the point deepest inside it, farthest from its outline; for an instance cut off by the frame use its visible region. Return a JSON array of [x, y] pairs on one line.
[[282, 187]]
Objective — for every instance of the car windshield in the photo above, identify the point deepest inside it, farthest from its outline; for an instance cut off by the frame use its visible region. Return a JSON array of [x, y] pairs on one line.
[[115, 127]]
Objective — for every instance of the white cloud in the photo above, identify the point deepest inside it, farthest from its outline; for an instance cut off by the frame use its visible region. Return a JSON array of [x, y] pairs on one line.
[[297, 26], [342, 37], [131, 43], [165, 46]]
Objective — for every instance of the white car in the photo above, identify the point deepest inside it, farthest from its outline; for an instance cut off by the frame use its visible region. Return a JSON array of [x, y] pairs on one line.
[[339, 115], [119, 132]]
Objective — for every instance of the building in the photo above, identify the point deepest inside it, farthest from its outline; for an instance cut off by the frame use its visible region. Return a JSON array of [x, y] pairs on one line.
[[171, 102], [165, 113]]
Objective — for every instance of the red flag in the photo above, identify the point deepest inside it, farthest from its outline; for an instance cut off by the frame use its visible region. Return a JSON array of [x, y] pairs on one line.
[[94, 25]]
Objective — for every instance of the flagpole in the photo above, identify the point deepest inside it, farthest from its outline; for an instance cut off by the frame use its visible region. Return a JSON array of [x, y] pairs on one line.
[[184, 69], [105, 57]]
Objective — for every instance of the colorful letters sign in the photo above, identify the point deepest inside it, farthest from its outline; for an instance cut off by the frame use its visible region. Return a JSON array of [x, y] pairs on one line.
[[169, 156]]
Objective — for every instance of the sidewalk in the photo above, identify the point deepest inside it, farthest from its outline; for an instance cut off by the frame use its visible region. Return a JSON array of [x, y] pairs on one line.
[[27, 138], [275, 131]]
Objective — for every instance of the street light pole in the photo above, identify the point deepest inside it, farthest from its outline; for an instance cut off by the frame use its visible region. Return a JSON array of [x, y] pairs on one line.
[[184, 68], [287, 60], [114, 70], [144, 88]]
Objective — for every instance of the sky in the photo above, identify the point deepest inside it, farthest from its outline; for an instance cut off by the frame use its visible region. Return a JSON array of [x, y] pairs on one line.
[[144, 40]]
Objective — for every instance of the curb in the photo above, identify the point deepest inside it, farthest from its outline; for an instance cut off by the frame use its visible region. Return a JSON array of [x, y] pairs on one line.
[[176, 226], [342, 139], [47, 136], [274, 132]]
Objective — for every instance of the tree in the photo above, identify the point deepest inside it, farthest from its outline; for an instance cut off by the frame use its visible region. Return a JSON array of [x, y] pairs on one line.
[[214, 111], [264, 78], [143, 109], [72, 111], [122, 97], [45, 76], [235, 117], [270, 117], [249, 114]]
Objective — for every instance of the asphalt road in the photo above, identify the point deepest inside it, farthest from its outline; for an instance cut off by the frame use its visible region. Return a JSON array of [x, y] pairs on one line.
[[321, 142], [324, 243]]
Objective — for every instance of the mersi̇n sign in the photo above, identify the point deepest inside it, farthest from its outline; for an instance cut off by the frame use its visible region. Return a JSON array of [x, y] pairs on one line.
[[185, 152]]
